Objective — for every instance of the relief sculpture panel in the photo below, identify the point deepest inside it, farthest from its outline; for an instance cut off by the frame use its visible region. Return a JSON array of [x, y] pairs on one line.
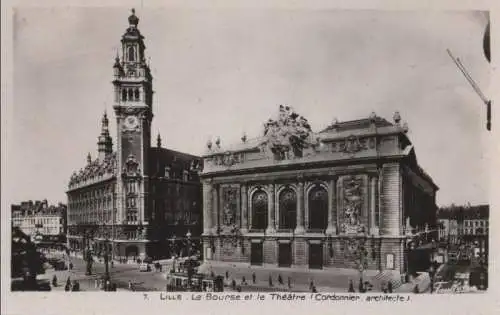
[[352, 203]]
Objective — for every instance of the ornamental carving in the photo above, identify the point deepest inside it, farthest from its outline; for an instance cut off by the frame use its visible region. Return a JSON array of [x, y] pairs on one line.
[[230, 204], [95, 169], [352, 204], [131, 166], [355, 251], [287, 136], [352, 145], [227, 159]]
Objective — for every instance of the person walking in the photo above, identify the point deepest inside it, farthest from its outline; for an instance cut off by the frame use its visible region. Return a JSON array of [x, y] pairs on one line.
[[280, 280], [270, 281], [253, 278], [289, 282], [351, 287]]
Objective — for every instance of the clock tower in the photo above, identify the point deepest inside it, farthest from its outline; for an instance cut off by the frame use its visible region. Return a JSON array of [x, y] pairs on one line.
[[133, 109]]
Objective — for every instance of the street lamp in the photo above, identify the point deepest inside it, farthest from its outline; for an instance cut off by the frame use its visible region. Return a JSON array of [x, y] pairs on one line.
[[106, 253], [188, 237]]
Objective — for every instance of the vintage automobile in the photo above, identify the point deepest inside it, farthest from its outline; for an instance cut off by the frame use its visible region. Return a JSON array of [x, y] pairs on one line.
[[144, 267]]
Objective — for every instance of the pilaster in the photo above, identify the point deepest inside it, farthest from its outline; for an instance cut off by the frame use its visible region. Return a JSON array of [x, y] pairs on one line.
[[244, 208], [271, 224], [300, 208], [332, 205]]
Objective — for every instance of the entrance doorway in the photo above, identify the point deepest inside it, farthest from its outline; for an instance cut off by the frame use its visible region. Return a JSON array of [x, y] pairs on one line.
[[315, 256], [285, 255], [256, 255]]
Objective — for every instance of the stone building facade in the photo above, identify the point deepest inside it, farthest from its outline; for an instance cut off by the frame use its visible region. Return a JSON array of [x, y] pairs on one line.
[[40, 219], [139, 200], [349, 196]]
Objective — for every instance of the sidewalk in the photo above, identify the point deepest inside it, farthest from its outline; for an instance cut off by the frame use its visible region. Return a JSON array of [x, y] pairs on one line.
[[329, 280]]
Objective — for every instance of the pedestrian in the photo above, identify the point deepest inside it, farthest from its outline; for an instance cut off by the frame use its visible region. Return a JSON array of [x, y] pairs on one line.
[[351, 287], [96, 283], [243, 280], [361, 286], [270, 281], [70, 265], [67, 287], [54, 281], [233, 284], [311, 284], [227, 274], [76, 286], [253, 277], [389, 287], [415, 289], [130, 285], [384, 287], [280, 280], [68, 281], [314, 289], [289, 282]]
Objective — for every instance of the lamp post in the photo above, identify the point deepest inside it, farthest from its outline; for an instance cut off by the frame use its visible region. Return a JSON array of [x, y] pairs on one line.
[[188, 238], [106, 253]]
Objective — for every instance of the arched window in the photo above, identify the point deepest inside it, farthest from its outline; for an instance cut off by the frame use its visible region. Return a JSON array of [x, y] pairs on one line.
[[288, 209], [124, 95], [318, 208], [259, 210], [130, 94], [131, 53], [136, 92]]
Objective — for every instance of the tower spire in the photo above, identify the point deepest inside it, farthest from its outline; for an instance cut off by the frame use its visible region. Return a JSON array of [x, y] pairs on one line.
[[158, 140], [104, 143]]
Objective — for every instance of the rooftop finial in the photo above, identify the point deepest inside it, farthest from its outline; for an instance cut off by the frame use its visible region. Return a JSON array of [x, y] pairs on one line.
[[244, 137], [397, 118], [158, 141], [133, 20], [89, 158]]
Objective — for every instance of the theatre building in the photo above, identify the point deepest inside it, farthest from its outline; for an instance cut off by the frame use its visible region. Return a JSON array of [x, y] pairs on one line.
[[349, 196], [137, 200]]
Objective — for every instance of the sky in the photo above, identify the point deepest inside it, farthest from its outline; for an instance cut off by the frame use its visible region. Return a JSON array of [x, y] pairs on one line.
[[224, 72]]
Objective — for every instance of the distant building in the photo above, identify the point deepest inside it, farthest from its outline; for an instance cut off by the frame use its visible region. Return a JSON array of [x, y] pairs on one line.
[[39, 220], [139, 200], [349, 196]]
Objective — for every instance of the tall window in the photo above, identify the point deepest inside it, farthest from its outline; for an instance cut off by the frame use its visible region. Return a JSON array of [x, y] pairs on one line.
[[288, 209], [318, 208], [131, 53], [259, 210], [136, 94]]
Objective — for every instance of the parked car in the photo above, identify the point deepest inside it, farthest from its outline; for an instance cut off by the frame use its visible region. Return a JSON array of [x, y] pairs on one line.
[[144, 267]]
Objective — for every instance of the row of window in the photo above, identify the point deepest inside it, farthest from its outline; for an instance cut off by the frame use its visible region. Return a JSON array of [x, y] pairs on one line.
[[476, 223], [131, 94], [317, 204]]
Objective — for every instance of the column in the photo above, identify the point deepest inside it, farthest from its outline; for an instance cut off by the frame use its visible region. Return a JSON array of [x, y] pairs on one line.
[[207, 208], [244, 209], [300, 209], [332, 198], [373, 206], [379, 200], [271, 226], [215, 209]]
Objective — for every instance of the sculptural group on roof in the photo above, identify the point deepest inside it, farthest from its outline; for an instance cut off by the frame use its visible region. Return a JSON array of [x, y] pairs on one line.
[[288, 135]]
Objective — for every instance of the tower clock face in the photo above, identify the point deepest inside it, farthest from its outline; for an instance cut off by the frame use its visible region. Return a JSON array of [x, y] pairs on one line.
[[131, 122]]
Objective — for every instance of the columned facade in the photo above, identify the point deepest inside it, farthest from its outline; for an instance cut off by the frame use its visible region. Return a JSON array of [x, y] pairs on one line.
[[340, 206]]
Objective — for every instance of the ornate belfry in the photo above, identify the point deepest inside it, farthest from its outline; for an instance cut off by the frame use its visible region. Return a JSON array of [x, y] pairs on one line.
[[305, 199]]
